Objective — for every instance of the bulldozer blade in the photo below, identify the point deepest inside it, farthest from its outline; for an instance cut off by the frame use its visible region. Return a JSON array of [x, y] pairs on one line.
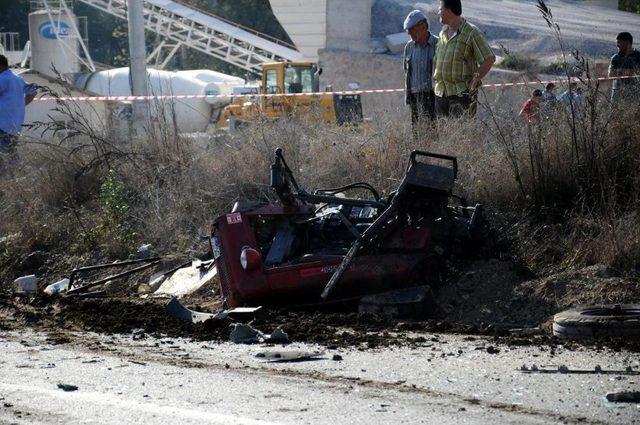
[[177, 310]]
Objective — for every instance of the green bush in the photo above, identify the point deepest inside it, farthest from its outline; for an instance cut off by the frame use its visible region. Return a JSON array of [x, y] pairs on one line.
[[115, 226], [517, 63]]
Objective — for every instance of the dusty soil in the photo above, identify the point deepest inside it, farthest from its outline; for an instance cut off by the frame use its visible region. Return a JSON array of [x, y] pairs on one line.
[[131, 315], [485, 298], [500, 293]]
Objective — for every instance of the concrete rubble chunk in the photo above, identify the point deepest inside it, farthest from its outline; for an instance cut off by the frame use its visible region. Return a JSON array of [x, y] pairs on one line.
[[278, 336], [26, 284], [245, 334], [57, 287], [187, 280], [396, 42], [144, 251]]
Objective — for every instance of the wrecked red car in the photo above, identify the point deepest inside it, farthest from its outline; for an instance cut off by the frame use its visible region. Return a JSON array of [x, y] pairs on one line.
[[325, 247]]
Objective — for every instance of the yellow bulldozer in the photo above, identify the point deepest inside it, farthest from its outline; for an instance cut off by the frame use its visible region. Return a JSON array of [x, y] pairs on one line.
[[297, 78]]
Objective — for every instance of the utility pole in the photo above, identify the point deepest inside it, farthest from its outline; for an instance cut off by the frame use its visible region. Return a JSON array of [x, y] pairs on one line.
[[138, 62]]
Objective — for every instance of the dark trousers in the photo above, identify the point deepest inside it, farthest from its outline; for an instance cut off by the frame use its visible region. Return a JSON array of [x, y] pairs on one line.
[[456, 106], [7, 142], [422, 107]]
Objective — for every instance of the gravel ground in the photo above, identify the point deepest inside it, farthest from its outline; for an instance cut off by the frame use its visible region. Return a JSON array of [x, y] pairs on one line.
[[518, 25], [448, 379]]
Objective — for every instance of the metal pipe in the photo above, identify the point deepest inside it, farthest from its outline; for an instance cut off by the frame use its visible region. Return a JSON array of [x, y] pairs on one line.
[[74, 272], [112, 277], [137, 62]]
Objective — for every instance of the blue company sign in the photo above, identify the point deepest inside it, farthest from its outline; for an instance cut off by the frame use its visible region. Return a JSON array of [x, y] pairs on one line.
[[48, 30]]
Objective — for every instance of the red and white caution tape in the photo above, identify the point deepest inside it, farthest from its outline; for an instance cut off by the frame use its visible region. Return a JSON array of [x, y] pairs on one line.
[[341, 92], [573, 80], [203, 96]]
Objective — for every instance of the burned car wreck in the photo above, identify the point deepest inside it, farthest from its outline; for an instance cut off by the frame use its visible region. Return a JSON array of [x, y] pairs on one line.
[[324, 246]]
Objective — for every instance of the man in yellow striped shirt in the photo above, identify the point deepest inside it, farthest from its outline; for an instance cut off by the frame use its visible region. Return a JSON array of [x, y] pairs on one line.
[[463, 59]]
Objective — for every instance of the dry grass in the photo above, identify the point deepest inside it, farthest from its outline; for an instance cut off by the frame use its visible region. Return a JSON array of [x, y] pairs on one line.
[[563, 193]]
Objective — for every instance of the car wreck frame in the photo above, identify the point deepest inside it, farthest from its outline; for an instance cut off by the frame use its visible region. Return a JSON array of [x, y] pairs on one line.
[[325, 247]]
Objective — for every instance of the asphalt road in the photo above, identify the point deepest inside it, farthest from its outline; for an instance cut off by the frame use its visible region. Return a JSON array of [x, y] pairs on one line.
[[448, 380]]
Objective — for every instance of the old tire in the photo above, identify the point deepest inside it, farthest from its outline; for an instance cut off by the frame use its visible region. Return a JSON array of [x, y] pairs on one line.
[[605, 321]]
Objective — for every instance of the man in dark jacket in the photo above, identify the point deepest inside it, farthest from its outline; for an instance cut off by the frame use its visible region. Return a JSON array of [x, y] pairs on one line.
[[625, 63], [418, 57]]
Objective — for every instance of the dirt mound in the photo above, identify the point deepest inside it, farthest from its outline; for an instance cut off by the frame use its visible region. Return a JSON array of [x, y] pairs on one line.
[[104, 315], [488, 292], [591, 285], [499, 292], [487, 298], [139, 317]]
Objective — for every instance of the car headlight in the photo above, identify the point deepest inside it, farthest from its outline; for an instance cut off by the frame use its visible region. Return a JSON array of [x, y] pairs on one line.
[[250, 259]]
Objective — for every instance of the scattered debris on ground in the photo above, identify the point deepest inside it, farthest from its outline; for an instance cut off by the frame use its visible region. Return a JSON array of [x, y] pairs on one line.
[[187, 280], [26, 285], [493, 285], [565, 370], [289, 356], [603, 321], [79, 286], [242, 333], [330, 329], [67, 387], [624, 397], [177, 310]]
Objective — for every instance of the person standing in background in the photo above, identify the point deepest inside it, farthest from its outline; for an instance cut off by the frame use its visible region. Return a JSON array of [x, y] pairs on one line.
[[417, 60], [15, 95], [463, 59], [625, 63]]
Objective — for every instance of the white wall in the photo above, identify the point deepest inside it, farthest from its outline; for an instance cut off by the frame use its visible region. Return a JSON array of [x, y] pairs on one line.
[[349, 25], [331, 24], [306, 23]]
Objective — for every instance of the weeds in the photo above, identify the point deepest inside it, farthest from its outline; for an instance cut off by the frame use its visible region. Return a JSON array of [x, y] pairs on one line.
[[565, 192], [115, 225], [517, 62]]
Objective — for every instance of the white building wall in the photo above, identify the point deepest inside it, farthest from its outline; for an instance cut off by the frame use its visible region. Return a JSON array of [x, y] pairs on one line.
[[349, 25], [306, 23]]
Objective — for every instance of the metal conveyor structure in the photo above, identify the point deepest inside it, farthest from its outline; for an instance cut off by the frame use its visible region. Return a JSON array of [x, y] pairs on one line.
[[209, 34]]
